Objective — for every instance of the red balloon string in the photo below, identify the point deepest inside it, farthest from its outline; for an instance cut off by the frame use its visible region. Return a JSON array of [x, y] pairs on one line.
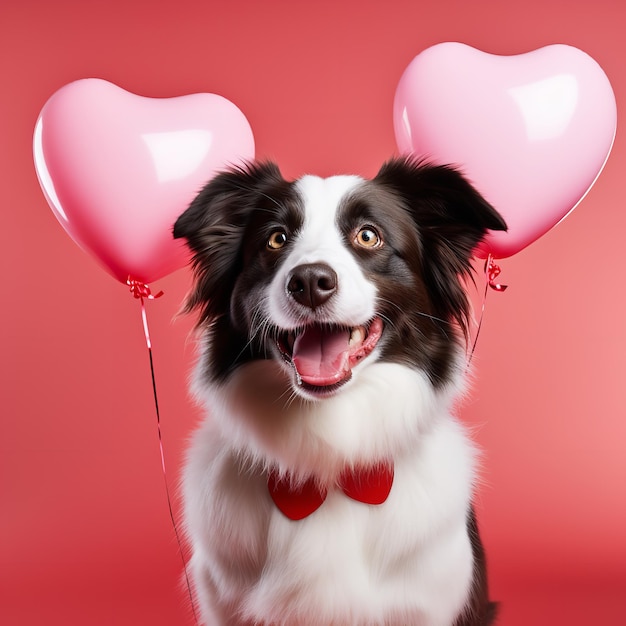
[[492, 271], [142, 292]]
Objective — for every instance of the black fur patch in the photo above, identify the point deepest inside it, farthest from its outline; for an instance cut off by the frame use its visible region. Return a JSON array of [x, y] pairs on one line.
[[430, 219], [479, 611], [227, 227], [452, 218]]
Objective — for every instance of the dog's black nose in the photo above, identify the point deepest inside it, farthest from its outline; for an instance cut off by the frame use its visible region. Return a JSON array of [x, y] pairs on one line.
[[312, 284]]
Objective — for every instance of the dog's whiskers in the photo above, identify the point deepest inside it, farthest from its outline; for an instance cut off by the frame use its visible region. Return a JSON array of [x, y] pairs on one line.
[[440, 323], [261, 326], [293, 397]]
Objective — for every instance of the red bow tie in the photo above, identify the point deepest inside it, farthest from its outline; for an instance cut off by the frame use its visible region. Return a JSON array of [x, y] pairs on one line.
[[369, 485]]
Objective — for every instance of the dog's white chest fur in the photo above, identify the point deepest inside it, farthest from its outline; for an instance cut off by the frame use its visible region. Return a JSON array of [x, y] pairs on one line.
[[407, 561]]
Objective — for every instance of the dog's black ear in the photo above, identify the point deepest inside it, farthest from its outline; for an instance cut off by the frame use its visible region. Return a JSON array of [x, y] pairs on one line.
[[214, 225], [452, 219]]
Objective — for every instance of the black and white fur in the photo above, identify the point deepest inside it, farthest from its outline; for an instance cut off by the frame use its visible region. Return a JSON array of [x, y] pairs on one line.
[[374, 257]]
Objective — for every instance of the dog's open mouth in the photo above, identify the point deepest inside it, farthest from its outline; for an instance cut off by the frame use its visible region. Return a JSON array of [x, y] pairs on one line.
[[323, 355]]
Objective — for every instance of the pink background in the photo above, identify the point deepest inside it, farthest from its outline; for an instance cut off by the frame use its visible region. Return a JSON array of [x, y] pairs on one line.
[[85, 536]]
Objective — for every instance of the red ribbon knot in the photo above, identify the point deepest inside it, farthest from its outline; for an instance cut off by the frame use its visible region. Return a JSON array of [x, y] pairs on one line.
[[492, 271], [141, 290]]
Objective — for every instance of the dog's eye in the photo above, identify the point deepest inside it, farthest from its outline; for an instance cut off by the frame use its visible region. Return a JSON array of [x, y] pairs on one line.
[[277, 240], [367, 237]]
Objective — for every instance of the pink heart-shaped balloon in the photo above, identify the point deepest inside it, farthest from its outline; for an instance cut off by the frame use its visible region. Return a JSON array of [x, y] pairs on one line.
[[117, 169], [531, 131]]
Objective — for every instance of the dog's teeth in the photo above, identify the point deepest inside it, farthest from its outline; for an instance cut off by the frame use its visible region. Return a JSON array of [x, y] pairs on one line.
[[357, 335]]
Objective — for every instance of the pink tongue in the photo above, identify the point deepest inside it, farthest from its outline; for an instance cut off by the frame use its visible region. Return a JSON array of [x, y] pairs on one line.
[[321, 356]]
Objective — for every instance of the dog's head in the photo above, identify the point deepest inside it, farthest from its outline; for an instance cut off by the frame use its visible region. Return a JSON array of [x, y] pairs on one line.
[[329, 275]]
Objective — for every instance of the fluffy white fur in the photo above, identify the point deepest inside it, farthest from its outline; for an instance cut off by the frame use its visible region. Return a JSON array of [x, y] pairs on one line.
[[407, 562]]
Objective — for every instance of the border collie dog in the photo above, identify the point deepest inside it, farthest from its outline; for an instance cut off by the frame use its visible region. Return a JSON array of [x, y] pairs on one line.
[[330, 483]]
